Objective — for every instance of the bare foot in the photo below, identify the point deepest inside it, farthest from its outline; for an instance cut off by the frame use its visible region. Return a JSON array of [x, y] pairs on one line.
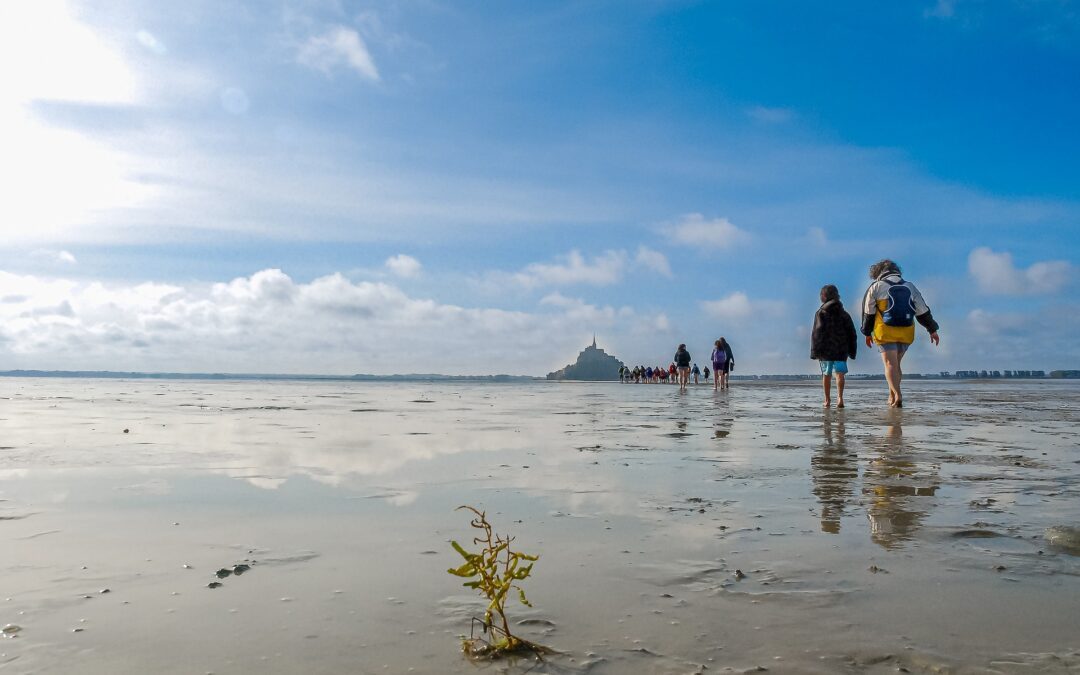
[[840, 404], [827, 403], [899, 403]]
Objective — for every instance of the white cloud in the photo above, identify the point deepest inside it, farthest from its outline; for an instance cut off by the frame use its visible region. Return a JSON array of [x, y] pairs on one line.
[[1035, 339], [573, 268], [579, 310], [270, 286], [47, 255], [339, 46], [695, 230], [150, 42], [984, 323], [737, 306], [996, 273], [654, 260], [268, 322], [404, 266]]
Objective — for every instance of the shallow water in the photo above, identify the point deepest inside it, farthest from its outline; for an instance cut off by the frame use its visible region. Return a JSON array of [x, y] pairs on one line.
[[868, 539]]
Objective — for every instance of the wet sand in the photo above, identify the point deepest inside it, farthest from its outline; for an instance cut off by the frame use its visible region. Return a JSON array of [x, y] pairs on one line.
[[868, 540]]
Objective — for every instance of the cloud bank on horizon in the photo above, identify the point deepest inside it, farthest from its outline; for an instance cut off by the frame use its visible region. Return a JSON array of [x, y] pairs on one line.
[[371, 187]]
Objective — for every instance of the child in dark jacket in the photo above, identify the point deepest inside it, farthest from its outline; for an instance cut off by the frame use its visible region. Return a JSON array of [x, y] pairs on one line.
[[832, 342]]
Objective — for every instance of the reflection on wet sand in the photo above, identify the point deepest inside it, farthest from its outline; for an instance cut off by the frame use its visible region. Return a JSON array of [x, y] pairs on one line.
[[897, 483], [722, 416], [833, 469], [680, 532]]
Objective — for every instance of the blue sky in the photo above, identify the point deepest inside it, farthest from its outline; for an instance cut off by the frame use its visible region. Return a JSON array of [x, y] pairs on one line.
[[345, 187]]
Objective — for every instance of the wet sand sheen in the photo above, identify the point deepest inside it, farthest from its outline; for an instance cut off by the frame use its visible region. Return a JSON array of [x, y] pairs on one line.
[[705, 532]]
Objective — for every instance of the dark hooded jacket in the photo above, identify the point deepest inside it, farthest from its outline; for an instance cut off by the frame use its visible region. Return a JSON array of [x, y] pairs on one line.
[[682, 358], [833, 337]]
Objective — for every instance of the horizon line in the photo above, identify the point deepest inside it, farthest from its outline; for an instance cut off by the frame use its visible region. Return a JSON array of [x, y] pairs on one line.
[[136, 374]]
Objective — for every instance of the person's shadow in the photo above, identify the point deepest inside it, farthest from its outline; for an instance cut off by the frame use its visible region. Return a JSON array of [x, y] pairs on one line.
[[833, 469], [894, 483]]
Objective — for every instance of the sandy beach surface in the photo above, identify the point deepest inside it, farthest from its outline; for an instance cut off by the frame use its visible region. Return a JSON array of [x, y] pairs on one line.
[[866, 540]]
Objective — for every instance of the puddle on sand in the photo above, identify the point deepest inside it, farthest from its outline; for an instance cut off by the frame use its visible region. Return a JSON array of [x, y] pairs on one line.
[[678, 533]]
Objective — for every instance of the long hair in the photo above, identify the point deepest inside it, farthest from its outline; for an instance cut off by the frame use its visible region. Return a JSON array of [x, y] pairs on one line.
[[721, 343], [883, 266], [829, 292]]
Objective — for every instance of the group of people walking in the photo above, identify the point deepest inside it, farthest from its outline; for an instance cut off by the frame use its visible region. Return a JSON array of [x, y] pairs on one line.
[[682, 368], [890, 308]]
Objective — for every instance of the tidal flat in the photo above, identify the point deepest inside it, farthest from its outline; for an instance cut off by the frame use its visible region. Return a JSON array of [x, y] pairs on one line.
[[702, 532]]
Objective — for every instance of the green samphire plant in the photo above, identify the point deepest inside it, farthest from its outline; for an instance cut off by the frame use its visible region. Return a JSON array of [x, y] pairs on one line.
[[495, 570]]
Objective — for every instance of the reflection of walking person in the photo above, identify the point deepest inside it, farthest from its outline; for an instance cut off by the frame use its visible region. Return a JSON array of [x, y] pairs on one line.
[[723, 362], [832, 342], [834, 470], [890, 309]]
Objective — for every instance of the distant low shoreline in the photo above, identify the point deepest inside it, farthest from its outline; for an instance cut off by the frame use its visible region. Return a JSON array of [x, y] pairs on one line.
[[413, 377], [434, 377]]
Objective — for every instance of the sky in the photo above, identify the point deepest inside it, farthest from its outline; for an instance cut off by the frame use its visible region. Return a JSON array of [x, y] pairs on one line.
[[465, 187]]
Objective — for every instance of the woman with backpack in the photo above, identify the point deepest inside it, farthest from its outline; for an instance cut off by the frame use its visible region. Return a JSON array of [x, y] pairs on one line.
[[723, 362], [890, 309], [832, 342]]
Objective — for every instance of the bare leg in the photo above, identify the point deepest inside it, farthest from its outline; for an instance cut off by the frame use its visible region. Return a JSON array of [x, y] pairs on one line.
[[899, 402], [826, 386], [891, 359], [715, 380], [839, 390]]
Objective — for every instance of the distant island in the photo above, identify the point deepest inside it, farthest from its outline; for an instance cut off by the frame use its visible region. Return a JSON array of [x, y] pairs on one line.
[[593, 364]]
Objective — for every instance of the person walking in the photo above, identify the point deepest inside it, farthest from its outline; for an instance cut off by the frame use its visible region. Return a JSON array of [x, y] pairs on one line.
[[833, 341], [723, 362], [682, 363], [890, 309]]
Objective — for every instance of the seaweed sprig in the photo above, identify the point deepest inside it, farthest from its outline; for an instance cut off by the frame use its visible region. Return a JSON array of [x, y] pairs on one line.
[[495, 570]]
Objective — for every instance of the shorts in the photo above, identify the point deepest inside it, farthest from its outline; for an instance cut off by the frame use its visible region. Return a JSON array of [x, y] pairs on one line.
[[830, 367], [899, 347], [720, 367]]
